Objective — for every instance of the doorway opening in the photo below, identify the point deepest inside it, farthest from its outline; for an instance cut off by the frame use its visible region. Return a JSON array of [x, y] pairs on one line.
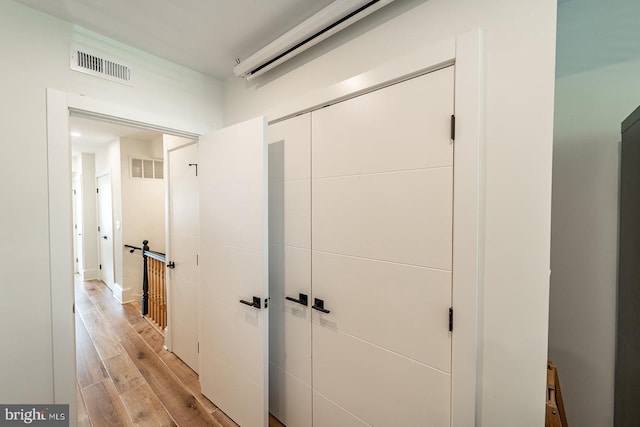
[[120, 188], [118, 201]]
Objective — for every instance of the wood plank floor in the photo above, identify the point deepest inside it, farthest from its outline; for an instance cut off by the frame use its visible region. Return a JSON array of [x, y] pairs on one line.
[[125, 377]]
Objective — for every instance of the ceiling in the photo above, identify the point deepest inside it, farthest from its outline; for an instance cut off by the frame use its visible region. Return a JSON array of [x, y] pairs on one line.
[[88, 136], [208, 35], [205, 35]]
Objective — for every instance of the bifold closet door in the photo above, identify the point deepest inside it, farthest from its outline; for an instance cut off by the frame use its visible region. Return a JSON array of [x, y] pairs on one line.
[[290, 270], [382, 194]]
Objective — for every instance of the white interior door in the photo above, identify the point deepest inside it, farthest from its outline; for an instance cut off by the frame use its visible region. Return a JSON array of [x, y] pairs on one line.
[[290, 271], [184, 232], [382, 194], [77, 224], [105, 230], [232, 169]]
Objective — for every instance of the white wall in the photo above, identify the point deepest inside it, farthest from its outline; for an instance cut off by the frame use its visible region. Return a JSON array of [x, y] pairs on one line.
[[142, 213], [590, 107], [35, 49], [520, 52], [596, 89]]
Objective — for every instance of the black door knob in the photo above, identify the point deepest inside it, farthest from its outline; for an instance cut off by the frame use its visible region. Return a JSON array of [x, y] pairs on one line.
[[318, 304], [302, 299], [255, 303]]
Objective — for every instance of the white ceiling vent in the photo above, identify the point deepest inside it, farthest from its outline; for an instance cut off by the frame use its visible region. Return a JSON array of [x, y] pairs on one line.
[[90, 61]]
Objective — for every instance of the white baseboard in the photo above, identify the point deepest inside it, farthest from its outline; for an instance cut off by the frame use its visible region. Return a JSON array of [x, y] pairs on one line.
[[168, 339], [123, 296], [90, 274]]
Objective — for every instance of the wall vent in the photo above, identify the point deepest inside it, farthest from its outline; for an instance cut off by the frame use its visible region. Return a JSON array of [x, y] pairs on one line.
[[90, 61]]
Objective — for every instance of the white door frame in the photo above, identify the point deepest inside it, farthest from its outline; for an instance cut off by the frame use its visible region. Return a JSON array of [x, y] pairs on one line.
[[465, 51], [467, 54], [59, 106]]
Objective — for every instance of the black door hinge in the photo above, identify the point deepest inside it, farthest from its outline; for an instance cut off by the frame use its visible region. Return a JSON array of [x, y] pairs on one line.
[[453, 127], [97, 190], [450, 319], [100, 266]]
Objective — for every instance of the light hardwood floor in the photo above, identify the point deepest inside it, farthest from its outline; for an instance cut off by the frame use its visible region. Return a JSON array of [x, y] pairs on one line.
[[125, 377]]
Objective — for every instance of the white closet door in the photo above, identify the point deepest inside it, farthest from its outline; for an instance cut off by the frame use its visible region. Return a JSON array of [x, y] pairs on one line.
[[382, 194], [290, 270], [232, 178], [183, 251]]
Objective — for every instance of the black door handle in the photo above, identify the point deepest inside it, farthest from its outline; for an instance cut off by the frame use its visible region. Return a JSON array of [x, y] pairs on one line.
[[171, 265], [256, 302], [104, 237], [302, 299], [318, 304]]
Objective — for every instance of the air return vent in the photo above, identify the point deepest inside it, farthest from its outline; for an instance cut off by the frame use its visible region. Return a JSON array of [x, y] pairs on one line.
[[90, 61]]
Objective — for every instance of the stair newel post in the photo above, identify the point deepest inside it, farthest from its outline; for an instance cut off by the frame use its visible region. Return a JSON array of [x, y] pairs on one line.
[[145, 279]]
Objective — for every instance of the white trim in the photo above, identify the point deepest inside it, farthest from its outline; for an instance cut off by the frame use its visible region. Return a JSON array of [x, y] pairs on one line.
[[61, 252], [59, 107], [435, 56], [98, 109], [466, 52], [468, 199], [90, 274], [123, 295]]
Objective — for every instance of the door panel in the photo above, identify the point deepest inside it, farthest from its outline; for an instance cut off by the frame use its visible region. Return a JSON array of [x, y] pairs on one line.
[[391, 129], [403, 217], [287, 396], [183, 250], [291, 321], [382, 205], [376, 385], [232, 180], [392, 305], [290, 267], [297, 211], [327, 414], [105, 235]]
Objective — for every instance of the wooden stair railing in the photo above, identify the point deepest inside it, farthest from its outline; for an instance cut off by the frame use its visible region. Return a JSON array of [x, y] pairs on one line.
[[154, 289]]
